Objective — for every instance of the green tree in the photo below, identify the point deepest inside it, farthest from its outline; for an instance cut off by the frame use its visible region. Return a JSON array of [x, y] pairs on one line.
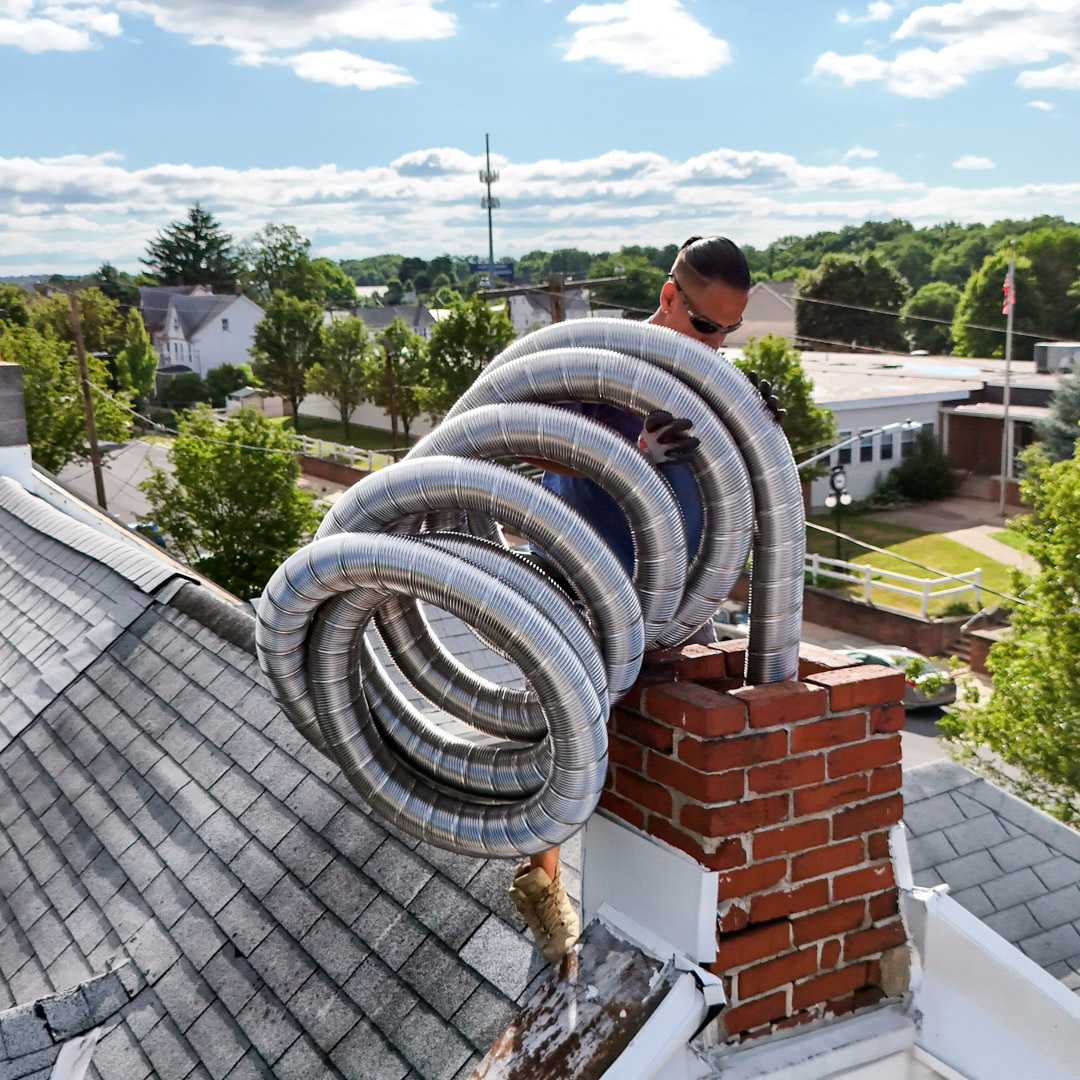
[[197, 251], [183, 391], [640, 290], [13, 306], [937, 300], [398, 378], [863, 281], [277, 256], [1055, 263], [808, 426], [287, 342], [981, 305], [462, 343], [232, 512], [345, 369], [222, 380], [1061, 427], [103, 327], [137, 362], [925, 475], [338, 289], [394, 292], [116, 285], [1032, 719], [912, 256], [55, 420]]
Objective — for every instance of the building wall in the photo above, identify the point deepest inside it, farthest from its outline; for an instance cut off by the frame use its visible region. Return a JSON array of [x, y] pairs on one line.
[[214, 346], [975, 444], [765, 313], [864, 465]]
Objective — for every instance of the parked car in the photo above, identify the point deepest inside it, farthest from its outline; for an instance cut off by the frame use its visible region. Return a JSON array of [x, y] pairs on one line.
[[150, 531], [731, 624], [923, 690]]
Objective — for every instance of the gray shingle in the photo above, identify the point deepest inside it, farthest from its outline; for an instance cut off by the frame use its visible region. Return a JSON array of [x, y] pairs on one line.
[[975, 900], [973, 869], [284, 966], [268, 819], [1054, 909], [167, 897], [169, 1052], [333, 946], [1015, 888], [389, 930], [305, 853], [1052, 945], [365, 1055], [976, 834], [118, 1054], [323, 1011], [232, 978], [447, 911], [398, 871], [431, 1045], [500, 955], [1019, 852], [936, 812], [438, 978], [245, 921], [344, 890], [198, 936], [266, 1023], [354, 834], [293, 906], [1058, 871], [212, 883], [484, 1017], [257, 868], [217, 1040], [303, 1061], [184, 993]]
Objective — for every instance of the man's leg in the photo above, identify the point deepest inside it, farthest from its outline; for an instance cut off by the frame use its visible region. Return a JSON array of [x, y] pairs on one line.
[[538, 893]]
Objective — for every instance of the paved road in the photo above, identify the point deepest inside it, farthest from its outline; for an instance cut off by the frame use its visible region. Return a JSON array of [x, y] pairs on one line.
[[124, 467]]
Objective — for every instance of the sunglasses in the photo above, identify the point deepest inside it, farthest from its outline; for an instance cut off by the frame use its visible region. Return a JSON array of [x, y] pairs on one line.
[[701, 323]]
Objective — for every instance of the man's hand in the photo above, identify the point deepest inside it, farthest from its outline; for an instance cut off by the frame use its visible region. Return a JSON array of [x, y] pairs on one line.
[[772, 402], [664, 440]]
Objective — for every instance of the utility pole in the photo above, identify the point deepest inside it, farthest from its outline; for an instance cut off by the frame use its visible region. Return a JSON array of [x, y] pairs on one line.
[[1006, 441], [555, 294], [88, 403], [489, 203]]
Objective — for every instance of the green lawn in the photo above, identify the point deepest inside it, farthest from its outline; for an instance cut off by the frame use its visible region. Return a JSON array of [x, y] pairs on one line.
[[1012, 538], [366, 438], [930, 549]]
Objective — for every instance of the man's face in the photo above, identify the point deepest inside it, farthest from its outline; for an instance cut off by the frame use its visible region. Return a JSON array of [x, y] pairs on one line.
[[691, 299]]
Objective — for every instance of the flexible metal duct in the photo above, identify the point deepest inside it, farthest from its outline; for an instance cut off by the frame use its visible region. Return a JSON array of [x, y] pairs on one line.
[[400, 539]]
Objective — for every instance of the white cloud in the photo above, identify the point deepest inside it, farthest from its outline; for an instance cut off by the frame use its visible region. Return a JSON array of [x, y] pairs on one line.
[[973, 161], [653, 37], [965, 38], [875, 12], [43, 35], [341, 68], [859, 152], [70, 213], [1046, 106]]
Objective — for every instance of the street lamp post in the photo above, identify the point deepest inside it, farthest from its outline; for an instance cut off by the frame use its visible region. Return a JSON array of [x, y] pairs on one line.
[[837, 497]]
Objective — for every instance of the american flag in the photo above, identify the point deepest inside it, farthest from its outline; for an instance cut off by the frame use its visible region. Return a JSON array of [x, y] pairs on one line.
[[1009, 289]]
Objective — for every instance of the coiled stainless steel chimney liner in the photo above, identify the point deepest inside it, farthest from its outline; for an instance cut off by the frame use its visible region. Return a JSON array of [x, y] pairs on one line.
[[385, 550]]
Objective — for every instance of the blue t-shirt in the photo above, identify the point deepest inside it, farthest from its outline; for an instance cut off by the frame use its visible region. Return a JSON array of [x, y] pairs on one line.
[[602, 512]]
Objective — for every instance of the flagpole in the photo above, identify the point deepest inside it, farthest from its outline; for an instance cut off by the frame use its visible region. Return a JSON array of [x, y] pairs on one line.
[[1010, 300]]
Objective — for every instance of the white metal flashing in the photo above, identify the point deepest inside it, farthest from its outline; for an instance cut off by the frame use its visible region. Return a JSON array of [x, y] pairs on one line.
[[15, 462], [670, 897]]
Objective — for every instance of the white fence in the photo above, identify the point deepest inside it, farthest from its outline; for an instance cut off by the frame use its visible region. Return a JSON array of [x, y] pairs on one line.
[[873, 577], [369, 460]]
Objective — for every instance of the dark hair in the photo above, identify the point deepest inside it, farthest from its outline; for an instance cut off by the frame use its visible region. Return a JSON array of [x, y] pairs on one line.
[[716, 258]]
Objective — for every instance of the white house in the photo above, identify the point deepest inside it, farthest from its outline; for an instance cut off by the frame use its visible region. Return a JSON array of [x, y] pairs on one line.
[[195, 330], [530, 310], [415, 316], [770, 309]]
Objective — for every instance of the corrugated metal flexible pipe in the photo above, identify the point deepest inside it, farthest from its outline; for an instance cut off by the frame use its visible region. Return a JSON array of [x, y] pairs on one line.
[[399, 539]]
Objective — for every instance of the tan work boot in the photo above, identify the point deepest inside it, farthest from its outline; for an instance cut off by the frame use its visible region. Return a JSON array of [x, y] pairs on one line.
[[547, 911]]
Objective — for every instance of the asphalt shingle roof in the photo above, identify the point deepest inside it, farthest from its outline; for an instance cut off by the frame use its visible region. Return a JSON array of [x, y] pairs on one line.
[[1008, 863], [158, 808]]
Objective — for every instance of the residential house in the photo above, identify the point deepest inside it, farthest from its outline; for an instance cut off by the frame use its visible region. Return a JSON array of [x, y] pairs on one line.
[[249, 397], [770, 309], [415, 316], [195, 330], [531, 310]]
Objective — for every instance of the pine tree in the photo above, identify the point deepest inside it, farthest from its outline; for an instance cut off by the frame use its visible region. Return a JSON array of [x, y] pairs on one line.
[[1061, 428], [194, 252]]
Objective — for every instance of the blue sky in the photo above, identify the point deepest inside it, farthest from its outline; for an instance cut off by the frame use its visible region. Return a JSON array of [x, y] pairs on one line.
[[362, 122]]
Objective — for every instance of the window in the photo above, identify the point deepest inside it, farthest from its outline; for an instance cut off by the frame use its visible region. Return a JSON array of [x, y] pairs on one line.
[[225, 325], [843, 455], [907, 442], [886, 446], [866, 446]]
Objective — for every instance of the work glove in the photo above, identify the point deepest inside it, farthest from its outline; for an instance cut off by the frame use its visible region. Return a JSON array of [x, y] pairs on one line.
[[664, 440], [772, 402]]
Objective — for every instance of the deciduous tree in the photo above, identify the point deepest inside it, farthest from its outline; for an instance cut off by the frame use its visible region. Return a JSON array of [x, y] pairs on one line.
[[222, 380], [196, 251], [287, 342], [137, 362], [398, 381], [345, 370], [980, 306], [230, 511], [937, 300]]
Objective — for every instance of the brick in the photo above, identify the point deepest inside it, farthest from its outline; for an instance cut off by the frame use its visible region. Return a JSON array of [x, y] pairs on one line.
[[786, 775], [885, 780], [643, 792], [867, 684], [874, 940], [623, 809], [771, 704], [870, 879], [887, 718], [734, 650], [705, 787], [834, 984], [643, 730], [736, 817], [813, 658], [751, 879], [883, 906], [866, 996], [623, 752], [728, 853], [773, 973], [788, 838], [864, 756], [832, 731], [731, 918], [824, 860], [776, 905], [829, 954], [749, 946], [744, 1017], [823, 924], [877, 846], [736, 752], [691, 663], [869, 816], [695, 708], [815, 800]]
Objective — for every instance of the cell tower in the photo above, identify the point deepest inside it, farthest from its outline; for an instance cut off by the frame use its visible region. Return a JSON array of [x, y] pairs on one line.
[[489, 203]]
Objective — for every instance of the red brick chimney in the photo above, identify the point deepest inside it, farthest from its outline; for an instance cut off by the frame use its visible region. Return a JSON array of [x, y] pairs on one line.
[[788, 790]]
